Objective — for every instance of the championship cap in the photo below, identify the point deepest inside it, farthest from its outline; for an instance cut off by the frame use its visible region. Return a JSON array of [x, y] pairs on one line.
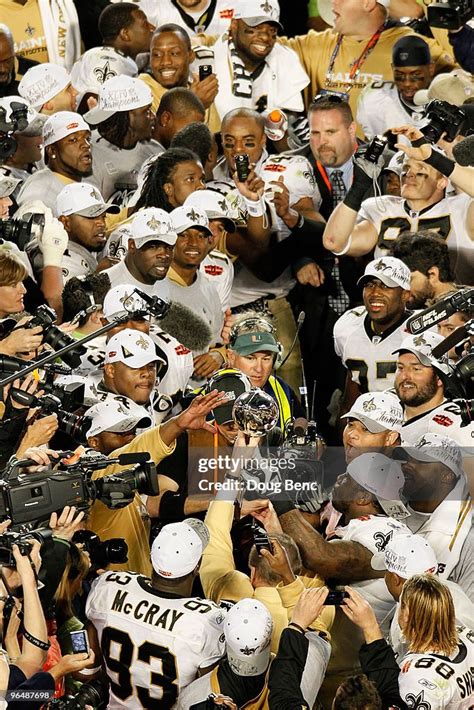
[[35, 120], [42, 83], [114, 416], [233, 383], [255, 13], [185, 217], [381, 476], [411, 51], [62, 124], [7, 185], [84, 200], [121, 300], [133, 348], [152, 224], [406, 555], [389, 270], [248, 633], [421, 346], [121, 93], [434, 447], [249, 343], [213, 204], [178, 547], [377, 411], [96, 66], [454, 88]]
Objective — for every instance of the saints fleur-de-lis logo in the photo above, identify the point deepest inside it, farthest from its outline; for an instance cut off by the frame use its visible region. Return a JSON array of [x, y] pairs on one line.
[[193, 216], [142, 343], [154, 224], [380, 266], [417, 702], [30, 30], [103, 73], [381, 540], [422, 442], [369, 406], [125, 298], [246, 651], [93, 193], [223, 205], [266, 7], [419, 340]]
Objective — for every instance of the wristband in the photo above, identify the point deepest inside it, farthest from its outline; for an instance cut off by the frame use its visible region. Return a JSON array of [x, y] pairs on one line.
[[297, 626], [43, 645], [346, 248], [255, 209], [441, 163], [356, 194], [418, 142]]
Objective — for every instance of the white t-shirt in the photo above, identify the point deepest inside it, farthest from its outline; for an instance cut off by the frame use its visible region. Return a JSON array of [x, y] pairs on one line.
[[430, 681], [119, 274], [77, 261], [381, 109], [152, 645], [367, 355], [43, 185], [201, 298]]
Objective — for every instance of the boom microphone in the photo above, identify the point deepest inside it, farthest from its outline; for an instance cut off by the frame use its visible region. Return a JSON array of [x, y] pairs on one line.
[[457, 336], [129, 459], [460, 301], [463, 152]]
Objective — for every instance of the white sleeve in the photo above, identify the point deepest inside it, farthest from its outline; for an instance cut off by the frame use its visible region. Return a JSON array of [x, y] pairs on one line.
[[370, 212], [213, 637], [227, 286], [339, 334]]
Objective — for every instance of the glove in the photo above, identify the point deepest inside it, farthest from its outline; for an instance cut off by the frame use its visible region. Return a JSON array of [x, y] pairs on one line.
[[53, 241]]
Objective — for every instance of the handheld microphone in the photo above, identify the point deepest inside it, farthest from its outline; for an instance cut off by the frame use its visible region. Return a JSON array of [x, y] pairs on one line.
[[441, 310]]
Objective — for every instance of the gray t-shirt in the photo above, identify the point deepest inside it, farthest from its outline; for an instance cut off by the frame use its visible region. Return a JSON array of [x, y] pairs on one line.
[[44, 185], [202, 299], [116, 169]]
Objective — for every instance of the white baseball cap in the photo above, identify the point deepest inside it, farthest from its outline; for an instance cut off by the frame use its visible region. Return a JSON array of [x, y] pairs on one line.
[[185, 217], [214, 205], [421, 346], [453, 88], [42, 83], [133, 348], [82, 199], [121, 93], [7, 185], [35, 120], [378, 412], [62, 124], [406, 555], [248, 634], [178, 547], [381, 476], [435, 447], [390, 271], [116, 416], [255, 12], [152, 224], [97, 65], [121, 300]]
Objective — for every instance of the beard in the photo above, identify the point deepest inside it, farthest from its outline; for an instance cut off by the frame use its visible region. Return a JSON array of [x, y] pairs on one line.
[[420, 395]]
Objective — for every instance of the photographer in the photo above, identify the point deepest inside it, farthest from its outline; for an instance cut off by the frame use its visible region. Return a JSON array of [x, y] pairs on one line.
[[422, 150]]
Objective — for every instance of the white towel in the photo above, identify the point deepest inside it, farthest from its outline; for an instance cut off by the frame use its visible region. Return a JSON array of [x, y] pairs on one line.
[[61, 29], [283, 79]]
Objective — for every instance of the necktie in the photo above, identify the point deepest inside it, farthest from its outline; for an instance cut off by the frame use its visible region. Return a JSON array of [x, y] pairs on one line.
[[338, 187]]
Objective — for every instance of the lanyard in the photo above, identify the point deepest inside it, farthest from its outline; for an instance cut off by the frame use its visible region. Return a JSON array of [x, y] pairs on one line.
[[355, 69]]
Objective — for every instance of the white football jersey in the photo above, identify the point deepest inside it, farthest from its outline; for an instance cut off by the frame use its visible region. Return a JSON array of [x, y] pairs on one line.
[[381, 109], [219, 270], [152, 645], [297, 174], [374, 532], [446, 420], [368, 356], [430, 681], [391, 216]]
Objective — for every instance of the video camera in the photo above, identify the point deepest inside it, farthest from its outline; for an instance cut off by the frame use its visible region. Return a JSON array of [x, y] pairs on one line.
[[450, 14], [301, 446], [101, 552], [95, 693], [32, 497], [444, 118], [10, 538], [18, 122], [21, 231]]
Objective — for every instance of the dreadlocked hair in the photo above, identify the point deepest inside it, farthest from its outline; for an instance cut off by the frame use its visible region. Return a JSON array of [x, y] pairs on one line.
[[159, 172], [115, 128]]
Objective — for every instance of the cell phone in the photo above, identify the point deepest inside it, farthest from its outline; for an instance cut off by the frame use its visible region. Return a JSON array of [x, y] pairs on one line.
[[261, 540], [336, 597], [204, 71], [79, 641], [242, 165]]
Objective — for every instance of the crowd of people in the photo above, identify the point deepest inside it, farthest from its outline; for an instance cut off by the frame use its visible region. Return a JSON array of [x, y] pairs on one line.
[[236, 342]]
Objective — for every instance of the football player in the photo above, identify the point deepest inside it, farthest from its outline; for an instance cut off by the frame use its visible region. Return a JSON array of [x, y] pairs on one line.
[[364, 337], [420, 386], [152, 636], [357, 226]]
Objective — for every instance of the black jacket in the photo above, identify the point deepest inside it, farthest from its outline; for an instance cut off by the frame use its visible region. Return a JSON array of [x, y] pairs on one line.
[[377, 660]]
